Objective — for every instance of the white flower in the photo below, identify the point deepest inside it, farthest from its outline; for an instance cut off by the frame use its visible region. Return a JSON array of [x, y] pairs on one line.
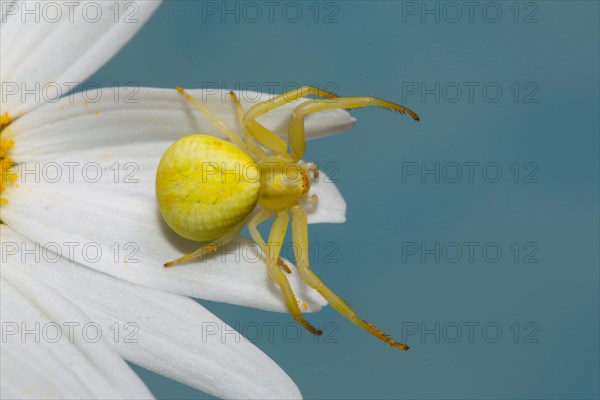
[[70, 245]]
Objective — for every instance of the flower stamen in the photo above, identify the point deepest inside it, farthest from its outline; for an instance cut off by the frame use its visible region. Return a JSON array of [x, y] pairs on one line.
[[7, 174]]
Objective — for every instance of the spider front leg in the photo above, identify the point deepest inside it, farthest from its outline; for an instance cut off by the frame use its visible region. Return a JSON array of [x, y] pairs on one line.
[[263, 107], [300, 238], [271, 252], [265, 136], [296, 137]]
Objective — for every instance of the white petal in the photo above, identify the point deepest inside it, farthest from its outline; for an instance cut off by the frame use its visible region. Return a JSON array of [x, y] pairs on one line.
[[169, 334], [122, 220], [53, 363], [127, 238], [60, 45], [147, 115], [106, 212], [331, 206]]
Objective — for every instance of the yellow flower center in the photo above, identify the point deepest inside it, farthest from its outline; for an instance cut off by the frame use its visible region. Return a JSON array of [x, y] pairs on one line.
[[7, 173]]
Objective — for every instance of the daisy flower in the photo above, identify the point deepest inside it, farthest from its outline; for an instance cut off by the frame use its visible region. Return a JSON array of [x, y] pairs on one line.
[[82, 241]]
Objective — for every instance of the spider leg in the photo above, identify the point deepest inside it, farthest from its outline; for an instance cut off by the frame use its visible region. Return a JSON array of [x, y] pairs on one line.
[[296, 130], [271, 252], [265, 137], [300, 238], [261, 133], [253, 148], [218, 122], [209, 248], [265, 106]]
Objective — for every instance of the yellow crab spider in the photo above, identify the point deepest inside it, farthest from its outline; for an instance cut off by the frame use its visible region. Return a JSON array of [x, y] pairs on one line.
[[207, 189]]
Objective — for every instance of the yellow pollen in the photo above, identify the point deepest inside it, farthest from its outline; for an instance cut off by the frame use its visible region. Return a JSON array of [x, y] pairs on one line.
[[7, 174], [5, 119]]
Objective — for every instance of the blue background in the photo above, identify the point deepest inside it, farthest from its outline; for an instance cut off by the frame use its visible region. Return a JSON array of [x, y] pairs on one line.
[[544, 58]]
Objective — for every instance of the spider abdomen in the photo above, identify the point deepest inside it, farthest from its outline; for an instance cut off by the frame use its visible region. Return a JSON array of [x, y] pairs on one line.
[[205, 187]]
